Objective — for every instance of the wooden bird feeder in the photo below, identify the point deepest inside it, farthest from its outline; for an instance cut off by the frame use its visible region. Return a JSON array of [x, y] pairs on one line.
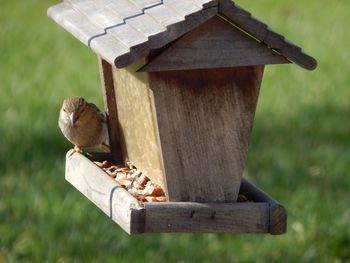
[[181, 80]]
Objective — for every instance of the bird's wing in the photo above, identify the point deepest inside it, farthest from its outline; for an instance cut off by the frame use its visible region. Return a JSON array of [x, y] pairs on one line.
[[103, 116]]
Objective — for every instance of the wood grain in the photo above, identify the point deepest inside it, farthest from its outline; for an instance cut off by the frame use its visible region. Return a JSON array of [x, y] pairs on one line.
[[123, 31], [173, 32], [96, 12], [277, 214], [105, 193], [73, 21], [214, 44], [262, 32], [207, 217], [83, 29], [109, 98], [204, 120], [263, 215], [138, 125], [183, 7]]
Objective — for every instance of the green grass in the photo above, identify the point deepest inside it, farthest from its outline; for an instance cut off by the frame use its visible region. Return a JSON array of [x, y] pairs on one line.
[[300, 149]]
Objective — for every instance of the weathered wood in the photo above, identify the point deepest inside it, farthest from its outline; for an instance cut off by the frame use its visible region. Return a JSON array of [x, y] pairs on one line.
[[242, 18], [105, 193], [138, 124], [173, 32], [260, 215], [204, 122], [274, 39], [73, 21], [262, 32], [136, 28], [108, 47], [207, 217], [96, 12], [278, 219], [80, 27], [183, 7], [208, 3], [214, 44], [127, 35], [277, 213], [108, 93], [164, 15]]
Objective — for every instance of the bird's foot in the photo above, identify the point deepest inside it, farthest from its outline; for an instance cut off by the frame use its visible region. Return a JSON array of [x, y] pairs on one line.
[[76, 150]]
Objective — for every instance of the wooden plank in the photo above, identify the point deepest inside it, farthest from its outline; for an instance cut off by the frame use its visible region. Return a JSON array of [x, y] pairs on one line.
[[146, 25], [123, 44], [242, 18], [145, 3], [105, 193], [138, 125], [207, 3], [127, 35], [190, 217], [259, 30], [275, 40], [173, 32], [277, 215], [73, 22], [111, 109], [183, 7], [136, 218], [164, 15], [297, 56], [138, 20], [124, 7], [96, 12], [204, 129], [214, 44], [108, 48], [79, 26]]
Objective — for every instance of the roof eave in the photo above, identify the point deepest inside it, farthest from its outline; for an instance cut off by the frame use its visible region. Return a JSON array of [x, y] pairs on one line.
[[259, 30]]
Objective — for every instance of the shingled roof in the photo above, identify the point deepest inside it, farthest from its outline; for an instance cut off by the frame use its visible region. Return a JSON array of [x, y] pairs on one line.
[[122, 31]]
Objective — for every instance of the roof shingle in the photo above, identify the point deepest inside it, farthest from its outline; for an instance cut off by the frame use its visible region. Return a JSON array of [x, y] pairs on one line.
[[122, 31]]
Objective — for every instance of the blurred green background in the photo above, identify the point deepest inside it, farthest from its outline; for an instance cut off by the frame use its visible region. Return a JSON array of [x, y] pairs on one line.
[[299, 152]]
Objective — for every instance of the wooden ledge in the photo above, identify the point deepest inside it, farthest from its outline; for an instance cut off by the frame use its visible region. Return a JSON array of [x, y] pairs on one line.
[[263, 215]]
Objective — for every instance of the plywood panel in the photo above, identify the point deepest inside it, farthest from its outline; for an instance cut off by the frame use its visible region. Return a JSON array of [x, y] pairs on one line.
[[205, 119], [138, 131]]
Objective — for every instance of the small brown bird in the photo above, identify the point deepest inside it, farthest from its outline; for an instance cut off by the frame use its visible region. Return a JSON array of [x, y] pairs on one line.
[[83, 124]]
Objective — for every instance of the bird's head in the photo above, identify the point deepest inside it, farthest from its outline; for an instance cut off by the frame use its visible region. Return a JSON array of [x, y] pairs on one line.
[[72, 108]]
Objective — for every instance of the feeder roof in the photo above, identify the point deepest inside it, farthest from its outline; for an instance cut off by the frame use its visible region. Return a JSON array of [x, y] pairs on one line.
[[123, 31]]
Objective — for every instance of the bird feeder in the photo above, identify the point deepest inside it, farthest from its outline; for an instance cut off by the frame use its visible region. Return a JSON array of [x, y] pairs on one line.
[[180, 80]]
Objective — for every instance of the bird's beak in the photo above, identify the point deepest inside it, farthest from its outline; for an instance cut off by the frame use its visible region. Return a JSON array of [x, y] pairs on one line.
[[72, 118]]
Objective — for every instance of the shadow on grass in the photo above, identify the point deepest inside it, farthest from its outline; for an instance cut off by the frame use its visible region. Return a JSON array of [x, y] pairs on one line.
[[29, 147], [312, 143]]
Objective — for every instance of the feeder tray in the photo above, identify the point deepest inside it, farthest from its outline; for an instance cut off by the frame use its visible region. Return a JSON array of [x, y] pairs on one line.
[[261, 214]]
